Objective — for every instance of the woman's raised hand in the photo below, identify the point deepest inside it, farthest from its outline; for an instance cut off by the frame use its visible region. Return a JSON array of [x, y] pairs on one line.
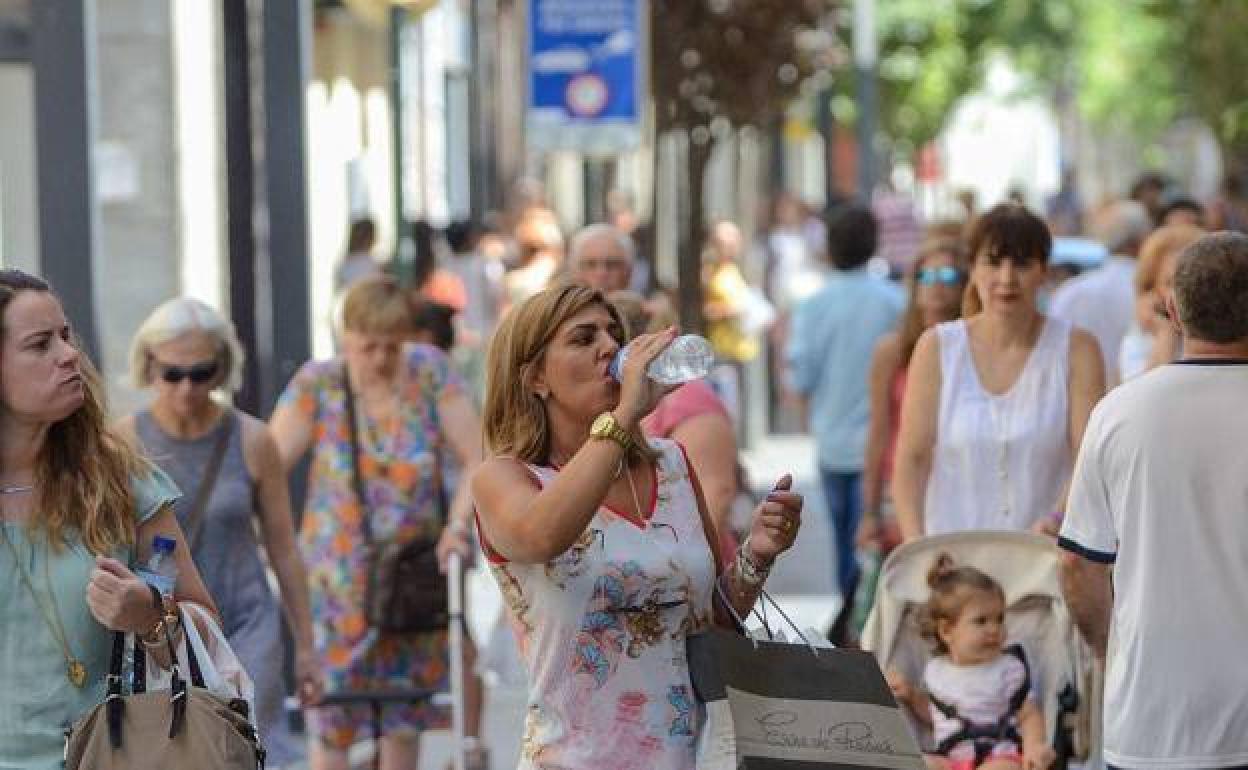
[[775, 523], [639, 394]]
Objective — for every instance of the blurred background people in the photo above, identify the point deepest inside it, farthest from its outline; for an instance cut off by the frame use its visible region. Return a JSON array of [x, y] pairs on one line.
[[1152, 340], [359, 261], [936, 281], [1102, 301], [996, 402], [601, 257], [832, 339], [227, 465], [410, 406]]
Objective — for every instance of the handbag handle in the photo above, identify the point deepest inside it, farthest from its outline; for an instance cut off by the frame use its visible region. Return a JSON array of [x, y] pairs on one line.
[[115, 702]]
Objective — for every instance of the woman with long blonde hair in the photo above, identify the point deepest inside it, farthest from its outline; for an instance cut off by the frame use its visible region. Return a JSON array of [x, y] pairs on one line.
[[599, 537], [79, 509]]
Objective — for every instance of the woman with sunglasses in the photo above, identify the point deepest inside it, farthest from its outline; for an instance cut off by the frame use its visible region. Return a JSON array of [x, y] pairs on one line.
[[227, 465], [600, 538], [936, 280], [995, 403]]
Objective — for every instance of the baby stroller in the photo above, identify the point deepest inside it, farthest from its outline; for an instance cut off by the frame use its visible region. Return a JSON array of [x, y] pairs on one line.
[[1064, 676]]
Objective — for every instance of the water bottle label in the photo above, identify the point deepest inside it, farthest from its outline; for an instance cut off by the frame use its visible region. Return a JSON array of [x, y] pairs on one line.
[[162, 583]]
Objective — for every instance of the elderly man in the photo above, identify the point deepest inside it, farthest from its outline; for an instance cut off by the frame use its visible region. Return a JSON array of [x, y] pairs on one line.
[[1103, 300], [602, 257], [1157, 511]]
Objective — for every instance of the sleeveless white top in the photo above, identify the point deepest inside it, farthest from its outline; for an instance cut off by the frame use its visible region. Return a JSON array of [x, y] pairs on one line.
[[601, 630], [1000, 461]]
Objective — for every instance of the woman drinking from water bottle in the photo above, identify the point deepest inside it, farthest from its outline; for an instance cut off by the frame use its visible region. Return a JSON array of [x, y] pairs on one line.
[[79, 509], [598, 537]]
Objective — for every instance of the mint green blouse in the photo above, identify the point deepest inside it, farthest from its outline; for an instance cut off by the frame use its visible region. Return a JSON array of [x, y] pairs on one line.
[[37, 700]]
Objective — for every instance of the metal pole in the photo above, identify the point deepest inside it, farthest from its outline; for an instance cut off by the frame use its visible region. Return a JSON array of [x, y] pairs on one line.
[[866, 54], [397, 17], [61, 53], [240, 176], [283, 313], [455, 608]]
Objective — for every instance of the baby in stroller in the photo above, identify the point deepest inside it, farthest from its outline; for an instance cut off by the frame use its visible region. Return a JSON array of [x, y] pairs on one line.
[[975, 695]]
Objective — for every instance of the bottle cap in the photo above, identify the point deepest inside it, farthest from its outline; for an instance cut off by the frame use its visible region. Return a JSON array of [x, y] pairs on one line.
[[165, 544]]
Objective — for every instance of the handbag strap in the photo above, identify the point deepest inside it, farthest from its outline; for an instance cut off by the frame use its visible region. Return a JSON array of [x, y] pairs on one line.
[[195, 519], [357, 478]]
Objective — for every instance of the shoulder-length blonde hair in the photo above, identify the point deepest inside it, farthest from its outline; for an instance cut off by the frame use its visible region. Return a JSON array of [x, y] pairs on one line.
[[513, 416], [179, 316], [84, 469]]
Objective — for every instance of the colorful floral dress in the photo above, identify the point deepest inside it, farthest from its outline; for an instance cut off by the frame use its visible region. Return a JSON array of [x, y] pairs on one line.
[[399, 471], [602, 629]]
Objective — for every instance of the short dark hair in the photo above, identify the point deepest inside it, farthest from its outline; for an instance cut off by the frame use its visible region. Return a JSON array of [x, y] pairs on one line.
[[1211, 288], [1010, 231], [852, 236]]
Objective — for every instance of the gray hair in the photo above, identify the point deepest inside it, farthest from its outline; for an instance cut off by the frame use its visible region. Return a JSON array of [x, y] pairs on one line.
[[1124, 223], [594, 232], [172, 320], [1211, 288]]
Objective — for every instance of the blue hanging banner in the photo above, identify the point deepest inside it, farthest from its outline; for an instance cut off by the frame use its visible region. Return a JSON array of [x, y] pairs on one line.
[[585, 75]]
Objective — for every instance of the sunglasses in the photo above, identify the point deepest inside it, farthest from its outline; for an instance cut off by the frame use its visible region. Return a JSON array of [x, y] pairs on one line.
[[945, 276], [198, 374]]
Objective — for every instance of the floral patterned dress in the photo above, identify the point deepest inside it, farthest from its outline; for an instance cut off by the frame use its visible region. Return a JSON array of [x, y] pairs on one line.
[[399, 471], [602, 628]]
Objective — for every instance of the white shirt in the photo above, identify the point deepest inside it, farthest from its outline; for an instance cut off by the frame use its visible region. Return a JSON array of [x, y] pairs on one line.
[[1001, 461], [1102, 301], [979, 693], [1161, 491]]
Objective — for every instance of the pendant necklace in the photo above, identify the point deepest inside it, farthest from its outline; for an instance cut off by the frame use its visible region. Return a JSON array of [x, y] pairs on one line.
[[75, 670]]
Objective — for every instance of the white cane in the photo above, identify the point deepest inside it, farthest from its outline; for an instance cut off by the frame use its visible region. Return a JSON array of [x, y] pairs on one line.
[[455, 605]]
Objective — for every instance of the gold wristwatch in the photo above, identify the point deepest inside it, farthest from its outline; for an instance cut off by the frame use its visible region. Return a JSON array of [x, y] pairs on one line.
[[605, 426]]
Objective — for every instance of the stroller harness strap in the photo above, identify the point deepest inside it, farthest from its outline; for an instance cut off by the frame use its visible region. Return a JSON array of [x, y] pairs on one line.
[[985, 737]]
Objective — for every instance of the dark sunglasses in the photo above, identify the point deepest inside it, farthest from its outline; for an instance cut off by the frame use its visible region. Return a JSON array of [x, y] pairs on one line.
[[198, 374], [946, 276]]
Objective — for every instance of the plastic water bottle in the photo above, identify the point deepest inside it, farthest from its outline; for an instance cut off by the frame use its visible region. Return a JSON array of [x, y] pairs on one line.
[[161, 569], [688, 357]]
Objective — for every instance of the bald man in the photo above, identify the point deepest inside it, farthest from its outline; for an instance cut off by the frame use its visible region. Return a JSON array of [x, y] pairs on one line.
[[601, 257]]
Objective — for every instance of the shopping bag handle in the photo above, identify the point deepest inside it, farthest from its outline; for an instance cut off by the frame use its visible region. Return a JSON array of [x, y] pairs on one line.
[[763, 599]]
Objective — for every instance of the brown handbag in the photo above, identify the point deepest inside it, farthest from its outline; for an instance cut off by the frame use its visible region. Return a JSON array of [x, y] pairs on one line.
[[184, 728], [406, 592]]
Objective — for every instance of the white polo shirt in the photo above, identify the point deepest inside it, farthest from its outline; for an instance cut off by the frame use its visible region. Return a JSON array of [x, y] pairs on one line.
[[1160, 490]]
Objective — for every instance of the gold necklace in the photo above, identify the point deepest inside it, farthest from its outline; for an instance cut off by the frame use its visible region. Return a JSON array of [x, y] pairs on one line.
[[632, 488], [75, 670]]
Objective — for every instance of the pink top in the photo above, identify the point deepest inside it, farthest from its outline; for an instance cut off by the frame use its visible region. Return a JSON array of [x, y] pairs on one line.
[[690, 400], [896, 392]]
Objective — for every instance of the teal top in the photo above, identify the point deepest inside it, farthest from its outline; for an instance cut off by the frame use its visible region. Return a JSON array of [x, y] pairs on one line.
[[37, 700]]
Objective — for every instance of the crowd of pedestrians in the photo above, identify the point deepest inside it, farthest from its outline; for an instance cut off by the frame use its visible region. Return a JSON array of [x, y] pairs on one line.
[[479, 403]]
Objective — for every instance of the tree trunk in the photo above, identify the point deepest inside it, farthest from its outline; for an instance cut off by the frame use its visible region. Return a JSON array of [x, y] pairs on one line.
[[691, 238]]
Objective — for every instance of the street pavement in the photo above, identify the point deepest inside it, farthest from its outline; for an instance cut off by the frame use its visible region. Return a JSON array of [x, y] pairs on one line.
[[801, 582]]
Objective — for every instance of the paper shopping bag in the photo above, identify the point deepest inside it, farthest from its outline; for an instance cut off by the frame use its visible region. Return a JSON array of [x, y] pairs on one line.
[[777, 706]]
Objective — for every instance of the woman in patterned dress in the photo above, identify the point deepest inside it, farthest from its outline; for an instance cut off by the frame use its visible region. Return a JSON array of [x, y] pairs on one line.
[[598, 539], [410, 406]]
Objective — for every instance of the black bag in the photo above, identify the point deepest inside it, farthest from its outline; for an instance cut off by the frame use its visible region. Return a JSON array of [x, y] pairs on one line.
[[406, 592], [772, 705]]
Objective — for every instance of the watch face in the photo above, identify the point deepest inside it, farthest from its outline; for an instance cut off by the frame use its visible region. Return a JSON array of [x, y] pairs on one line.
[[602, 425]]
